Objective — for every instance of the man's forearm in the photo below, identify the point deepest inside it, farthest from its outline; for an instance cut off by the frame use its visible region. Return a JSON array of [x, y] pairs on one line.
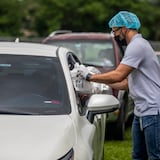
[[123, 85], [116, 76], [107, 78]]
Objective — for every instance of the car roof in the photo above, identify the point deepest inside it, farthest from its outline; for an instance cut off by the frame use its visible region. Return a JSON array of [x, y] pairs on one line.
[[80, 36], [26, 48]]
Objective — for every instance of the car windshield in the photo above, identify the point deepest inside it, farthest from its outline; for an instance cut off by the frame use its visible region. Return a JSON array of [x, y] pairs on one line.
[[98, 53], [32, 85]]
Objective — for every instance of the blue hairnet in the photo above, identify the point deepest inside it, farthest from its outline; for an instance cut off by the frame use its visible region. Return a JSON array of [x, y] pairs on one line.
[[124, 18]]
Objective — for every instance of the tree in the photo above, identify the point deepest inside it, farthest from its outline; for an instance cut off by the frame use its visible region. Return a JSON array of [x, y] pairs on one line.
[[10, 19], [40, 17], [93, 15]]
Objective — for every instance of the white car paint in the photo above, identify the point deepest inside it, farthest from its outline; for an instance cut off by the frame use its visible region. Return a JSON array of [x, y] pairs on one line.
[[35, 137]]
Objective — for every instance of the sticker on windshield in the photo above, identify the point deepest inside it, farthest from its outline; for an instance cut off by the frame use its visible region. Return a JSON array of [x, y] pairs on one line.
[[52, 102], [5, 65]]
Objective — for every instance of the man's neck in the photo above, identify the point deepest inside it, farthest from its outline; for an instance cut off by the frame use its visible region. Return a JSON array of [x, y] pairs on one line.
[[130, 35]]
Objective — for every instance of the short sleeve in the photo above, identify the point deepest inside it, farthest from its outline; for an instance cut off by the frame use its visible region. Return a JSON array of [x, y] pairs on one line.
[[134, 54]]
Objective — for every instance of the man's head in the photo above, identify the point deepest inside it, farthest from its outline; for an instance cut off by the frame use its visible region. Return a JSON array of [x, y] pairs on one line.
[[125, 19], [122, 23]]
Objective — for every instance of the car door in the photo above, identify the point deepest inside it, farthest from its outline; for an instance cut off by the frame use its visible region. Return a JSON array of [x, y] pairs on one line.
[[99, 121]]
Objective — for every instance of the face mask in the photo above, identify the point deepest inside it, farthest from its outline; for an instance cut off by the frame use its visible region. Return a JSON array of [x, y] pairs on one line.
[[120, 42]]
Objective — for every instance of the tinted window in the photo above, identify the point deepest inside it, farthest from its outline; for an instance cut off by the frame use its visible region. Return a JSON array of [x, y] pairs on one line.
[[99, 53], [32, 85]]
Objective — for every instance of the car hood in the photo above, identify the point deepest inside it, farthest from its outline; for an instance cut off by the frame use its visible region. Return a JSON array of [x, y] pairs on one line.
[[35, 137]]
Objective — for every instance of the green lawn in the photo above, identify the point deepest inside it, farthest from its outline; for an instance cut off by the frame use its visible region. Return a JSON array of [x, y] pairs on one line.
[[119, 150]]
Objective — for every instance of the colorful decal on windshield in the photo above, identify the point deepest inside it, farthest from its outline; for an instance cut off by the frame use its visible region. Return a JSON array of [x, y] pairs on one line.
[[52, 102]]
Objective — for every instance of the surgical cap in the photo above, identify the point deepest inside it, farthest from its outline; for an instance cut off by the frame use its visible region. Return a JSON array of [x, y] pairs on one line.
[[124, 18]]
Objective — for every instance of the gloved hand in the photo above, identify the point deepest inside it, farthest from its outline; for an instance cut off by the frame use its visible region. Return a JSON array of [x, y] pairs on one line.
[[84, 72], [81, 86]]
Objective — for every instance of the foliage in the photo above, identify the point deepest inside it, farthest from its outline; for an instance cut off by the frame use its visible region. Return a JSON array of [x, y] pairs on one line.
[[93, 15], [119, 150], [28, 22], [41, 17], [10, 19]]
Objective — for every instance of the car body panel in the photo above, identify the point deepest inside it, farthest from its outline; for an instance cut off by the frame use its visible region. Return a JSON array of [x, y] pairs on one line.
[[29, 136]]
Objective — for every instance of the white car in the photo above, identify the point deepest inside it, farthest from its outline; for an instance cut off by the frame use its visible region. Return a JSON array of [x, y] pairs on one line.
[[42, 116]]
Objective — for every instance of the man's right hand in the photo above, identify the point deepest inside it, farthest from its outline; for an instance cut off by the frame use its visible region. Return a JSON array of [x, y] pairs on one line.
[[84, 72]]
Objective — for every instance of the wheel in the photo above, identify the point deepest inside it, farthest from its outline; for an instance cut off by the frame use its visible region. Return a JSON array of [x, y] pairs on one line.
[[120, 124], [102, 154], [119, 133], [116, 130]]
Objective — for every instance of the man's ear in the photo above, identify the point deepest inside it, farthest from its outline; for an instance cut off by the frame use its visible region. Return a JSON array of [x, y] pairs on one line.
[[124, 29]]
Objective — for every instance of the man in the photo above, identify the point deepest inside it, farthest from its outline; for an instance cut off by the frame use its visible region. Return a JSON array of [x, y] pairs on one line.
[[139, 71]]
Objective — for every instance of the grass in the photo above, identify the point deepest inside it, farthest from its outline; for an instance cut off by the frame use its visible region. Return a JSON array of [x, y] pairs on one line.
[[119, 150]]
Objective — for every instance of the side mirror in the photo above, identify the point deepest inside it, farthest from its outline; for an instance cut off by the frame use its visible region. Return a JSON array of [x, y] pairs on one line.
[[99, 104]]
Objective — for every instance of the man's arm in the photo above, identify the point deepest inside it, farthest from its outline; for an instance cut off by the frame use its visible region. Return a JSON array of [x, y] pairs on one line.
[[118, 75], [123, 85]]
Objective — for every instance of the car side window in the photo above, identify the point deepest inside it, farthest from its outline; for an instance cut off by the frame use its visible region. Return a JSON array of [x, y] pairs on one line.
[[81, 97]]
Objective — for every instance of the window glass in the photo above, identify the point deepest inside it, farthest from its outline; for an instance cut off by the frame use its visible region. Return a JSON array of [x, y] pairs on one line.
[[99, 53], [32, 85]]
